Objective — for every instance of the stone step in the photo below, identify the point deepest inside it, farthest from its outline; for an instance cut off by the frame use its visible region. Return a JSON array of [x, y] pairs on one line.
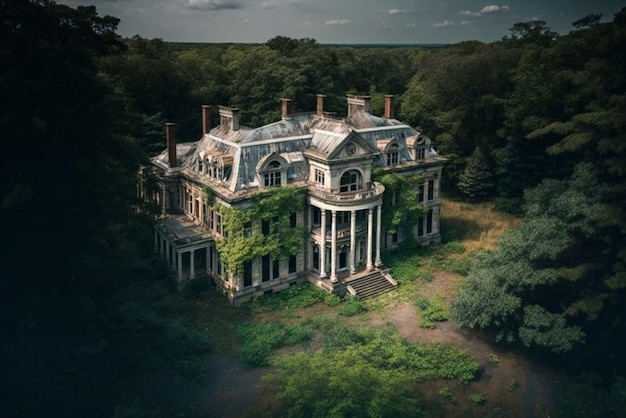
[[371, 285]]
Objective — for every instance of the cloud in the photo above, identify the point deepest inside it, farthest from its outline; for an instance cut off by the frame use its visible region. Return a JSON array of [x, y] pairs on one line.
[[397, 11], [469, 13], [214, 4], [337, 22], [492, 8], [443, 24], [465, 22], [305, 23], [410, 25]]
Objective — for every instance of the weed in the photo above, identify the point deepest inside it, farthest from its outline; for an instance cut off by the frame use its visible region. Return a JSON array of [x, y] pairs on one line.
[[352, 307], [332, 300], [453, 247], [513, 385], [426, 323], [493, 358], [477, 398], [447, 394]]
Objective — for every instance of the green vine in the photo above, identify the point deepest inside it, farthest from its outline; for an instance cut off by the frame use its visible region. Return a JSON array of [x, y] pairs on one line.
[[275, 207], [405, 211]]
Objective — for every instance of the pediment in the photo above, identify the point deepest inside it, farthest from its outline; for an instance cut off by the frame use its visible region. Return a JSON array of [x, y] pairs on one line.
[[353, 146]]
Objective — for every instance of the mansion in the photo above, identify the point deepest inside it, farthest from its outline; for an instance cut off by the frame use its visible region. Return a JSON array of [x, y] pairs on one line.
[[330, 159]]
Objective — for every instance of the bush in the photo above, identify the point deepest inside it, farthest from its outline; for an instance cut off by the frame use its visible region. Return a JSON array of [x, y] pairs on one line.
[[477, 398], [447, 394], [258, 340], [454, 247], [432, 310], [332, 300], [352, 307], [301, 296]]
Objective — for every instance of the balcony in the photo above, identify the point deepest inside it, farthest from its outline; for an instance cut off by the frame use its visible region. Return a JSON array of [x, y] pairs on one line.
[[358, 196]]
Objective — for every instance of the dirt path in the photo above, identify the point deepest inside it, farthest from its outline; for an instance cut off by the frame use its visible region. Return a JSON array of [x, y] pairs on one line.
[[531, 396]]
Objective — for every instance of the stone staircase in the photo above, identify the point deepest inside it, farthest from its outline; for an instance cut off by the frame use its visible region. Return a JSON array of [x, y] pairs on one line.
[[372, 284]]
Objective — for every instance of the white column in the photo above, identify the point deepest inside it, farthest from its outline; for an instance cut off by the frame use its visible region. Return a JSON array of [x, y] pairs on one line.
[[333, 248], [378, 230], [370, 224], [352, 241], [192, 264], [163, 207], [179, 256], [436, 219], [323, 246]]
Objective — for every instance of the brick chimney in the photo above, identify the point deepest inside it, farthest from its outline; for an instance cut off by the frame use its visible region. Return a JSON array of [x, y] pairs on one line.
[[206, 119], [388, 106], [171, 144], [286, 108], [358, 103], [229, 118], [320, 104]]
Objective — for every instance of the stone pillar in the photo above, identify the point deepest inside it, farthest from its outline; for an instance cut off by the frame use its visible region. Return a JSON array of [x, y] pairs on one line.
[[179, 257], [436, 210], [333, 248], [370, 223], [352, 241], [192, 264], [323, 246], [379, 214]]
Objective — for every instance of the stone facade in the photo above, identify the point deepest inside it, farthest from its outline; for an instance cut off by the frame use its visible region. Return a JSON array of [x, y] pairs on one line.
[[330, 158]]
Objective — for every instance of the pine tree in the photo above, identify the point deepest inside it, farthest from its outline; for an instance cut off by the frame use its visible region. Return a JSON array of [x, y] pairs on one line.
[[476, 180]]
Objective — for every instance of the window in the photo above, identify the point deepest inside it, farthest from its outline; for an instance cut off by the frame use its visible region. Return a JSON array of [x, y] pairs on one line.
[[265, 227], [316, 257], [273, 175], [317, 216], [200, 167], [293, 219], [247, 229], [343, 218], [218, 223], [394, 238], [265, 268], [420, 153], [429, 222], [271, 179], [247, 274], [319, 176], [420, 191], [275, 269], [349, 181], [393, 156], [420, 227], [431, 189], [292, 264]]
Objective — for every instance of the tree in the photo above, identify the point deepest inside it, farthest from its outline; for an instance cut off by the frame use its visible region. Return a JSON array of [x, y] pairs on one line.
[[69, 169], [558, 277], [476, 180]]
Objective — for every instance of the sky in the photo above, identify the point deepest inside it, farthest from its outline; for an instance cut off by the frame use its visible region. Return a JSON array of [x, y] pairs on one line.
[[341, 21]]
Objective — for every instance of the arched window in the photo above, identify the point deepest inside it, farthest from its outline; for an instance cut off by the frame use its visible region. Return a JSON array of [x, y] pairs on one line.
[[350, 181], [393, 155], [272, 177]]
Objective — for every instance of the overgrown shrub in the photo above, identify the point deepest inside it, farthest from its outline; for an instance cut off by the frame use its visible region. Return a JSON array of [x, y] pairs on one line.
[[258, 340], [352, 307]]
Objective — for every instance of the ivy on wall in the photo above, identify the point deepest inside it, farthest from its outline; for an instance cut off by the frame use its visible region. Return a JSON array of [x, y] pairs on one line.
[[243, 239], [401, 201]]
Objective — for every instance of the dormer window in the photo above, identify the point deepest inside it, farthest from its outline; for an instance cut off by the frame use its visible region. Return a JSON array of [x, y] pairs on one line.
[[200, 167], [350, 181], [393, 155], [319, 177], [272, 170], [420, 153]]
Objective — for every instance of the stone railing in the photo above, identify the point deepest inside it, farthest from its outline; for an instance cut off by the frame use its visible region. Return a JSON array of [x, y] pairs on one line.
[[374, 191]]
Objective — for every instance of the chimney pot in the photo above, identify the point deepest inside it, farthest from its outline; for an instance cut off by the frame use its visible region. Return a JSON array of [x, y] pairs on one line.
[[206, 119], [286, 108], [171, 144], [320, 104], [388, 106]]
